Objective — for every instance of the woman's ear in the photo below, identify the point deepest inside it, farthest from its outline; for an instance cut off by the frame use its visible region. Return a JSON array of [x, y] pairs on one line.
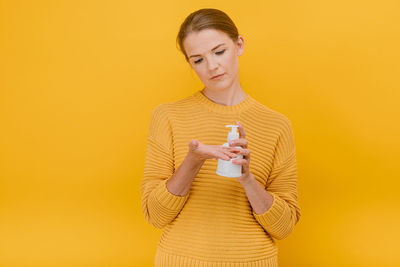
[[240, 45]]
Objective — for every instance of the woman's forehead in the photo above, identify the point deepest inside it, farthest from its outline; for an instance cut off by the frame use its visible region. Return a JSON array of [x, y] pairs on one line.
[[206, 40]]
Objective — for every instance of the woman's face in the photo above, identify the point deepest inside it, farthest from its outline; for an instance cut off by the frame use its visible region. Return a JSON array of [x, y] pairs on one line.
[[211, 53]]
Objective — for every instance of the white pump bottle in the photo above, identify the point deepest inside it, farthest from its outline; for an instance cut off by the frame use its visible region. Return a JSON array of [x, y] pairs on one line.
[[226, 167]]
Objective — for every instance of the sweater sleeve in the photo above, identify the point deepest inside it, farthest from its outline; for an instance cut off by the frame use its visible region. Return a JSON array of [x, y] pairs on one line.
[[159, 206], [280, 219]]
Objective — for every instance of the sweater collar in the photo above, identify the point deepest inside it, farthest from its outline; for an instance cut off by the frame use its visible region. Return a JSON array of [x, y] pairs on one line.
[[232, 109]]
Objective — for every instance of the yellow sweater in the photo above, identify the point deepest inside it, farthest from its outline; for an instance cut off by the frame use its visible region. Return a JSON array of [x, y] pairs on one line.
[[214, 223]]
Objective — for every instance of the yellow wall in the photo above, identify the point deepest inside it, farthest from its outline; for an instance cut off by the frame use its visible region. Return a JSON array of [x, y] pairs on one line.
[[79, 79]]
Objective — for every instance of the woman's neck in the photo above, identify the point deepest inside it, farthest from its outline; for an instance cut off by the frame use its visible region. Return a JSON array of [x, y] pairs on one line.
[[226, 98]]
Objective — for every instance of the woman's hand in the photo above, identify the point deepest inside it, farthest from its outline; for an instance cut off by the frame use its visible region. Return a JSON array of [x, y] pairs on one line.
[[245, 162], [201, 152]]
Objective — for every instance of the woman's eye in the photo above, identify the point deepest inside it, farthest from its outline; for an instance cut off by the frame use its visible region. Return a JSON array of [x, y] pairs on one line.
[[218, 53]]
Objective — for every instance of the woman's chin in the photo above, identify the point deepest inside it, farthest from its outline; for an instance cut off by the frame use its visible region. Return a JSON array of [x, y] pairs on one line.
[[218, 86]]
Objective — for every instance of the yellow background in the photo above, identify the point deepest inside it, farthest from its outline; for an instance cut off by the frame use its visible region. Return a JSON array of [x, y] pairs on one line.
[[78, 82]]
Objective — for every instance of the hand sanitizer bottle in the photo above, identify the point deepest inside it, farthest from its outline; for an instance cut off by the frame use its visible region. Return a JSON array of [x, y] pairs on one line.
[[226, 167]]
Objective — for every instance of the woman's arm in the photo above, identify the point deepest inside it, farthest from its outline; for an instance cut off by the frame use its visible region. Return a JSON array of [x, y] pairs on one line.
[[260, 200], [159, 205], [180, 182], [279, 215], [164, 195], [165, 191]]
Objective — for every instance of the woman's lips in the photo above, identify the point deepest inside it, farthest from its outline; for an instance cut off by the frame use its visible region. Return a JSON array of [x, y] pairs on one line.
[[217, 77]]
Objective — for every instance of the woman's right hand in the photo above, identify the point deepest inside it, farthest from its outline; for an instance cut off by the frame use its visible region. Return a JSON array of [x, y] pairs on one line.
[[202, 152]]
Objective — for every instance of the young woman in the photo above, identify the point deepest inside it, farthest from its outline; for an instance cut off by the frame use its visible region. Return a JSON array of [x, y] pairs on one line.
[[207, 219]]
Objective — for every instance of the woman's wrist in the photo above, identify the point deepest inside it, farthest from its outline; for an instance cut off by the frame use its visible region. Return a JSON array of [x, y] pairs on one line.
[[179, 183], [194, 160]]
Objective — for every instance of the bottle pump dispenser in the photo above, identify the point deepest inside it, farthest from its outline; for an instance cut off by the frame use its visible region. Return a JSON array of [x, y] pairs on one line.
[[226, 167]]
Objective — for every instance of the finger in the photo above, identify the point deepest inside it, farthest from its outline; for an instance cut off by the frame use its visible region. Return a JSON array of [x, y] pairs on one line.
[[234, 149], [239, 161], [239, 142], [230, 154], [226, 155], [244, 152], [223, 156], [231, 149], [242, 133], [195, 144]]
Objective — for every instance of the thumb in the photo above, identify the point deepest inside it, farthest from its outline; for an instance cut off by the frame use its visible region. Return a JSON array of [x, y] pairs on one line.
[[195, 143]]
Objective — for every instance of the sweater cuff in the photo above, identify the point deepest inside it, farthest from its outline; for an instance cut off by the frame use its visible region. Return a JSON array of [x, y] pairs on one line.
[[274, 213], [167, 199]]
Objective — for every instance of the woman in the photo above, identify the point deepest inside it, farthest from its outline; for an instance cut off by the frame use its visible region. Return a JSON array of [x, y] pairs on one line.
[[207, 219]]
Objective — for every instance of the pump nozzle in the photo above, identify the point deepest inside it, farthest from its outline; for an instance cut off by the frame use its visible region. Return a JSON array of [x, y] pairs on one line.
[[233, 134]]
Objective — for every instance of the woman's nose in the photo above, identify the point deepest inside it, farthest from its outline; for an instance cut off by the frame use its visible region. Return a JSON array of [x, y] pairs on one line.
[[212, 64]]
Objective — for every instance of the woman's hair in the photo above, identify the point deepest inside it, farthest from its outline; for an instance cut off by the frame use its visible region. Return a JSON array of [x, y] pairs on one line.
[[206, 18]]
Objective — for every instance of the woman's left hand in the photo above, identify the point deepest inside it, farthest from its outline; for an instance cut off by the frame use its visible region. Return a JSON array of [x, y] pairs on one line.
[[245, 162]]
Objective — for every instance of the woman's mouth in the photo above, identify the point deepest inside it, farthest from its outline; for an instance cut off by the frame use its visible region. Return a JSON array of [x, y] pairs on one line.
[[217, 77]]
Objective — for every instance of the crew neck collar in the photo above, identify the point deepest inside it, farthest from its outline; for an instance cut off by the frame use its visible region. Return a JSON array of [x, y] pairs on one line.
[[219, 108]]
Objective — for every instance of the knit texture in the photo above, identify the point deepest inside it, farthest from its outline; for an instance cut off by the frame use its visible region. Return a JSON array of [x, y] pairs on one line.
[[214, 223]]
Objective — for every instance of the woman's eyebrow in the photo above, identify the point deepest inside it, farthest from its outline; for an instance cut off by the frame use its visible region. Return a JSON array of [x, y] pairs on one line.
[[211, 50]]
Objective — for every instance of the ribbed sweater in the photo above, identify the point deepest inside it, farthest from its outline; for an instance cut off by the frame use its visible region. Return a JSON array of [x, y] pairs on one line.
[[214, 223]]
